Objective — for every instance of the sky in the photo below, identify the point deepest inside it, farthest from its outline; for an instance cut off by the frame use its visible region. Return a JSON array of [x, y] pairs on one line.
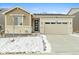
[[55, 8]]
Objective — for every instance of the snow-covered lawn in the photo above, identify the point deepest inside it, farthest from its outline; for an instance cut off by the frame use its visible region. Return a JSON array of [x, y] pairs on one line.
[[38, 44]]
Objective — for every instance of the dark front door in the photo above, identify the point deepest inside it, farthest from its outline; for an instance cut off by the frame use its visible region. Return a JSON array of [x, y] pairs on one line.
[[36, 25]]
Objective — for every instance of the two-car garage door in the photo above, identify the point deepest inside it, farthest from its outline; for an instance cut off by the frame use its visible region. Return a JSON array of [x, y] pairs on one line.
[[56, 27]]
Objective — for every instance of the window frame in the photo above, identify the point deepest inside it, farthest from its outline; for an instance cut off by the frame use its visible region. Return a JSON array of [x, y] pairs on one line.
[[19, 21], [20, 15], [37, 24]]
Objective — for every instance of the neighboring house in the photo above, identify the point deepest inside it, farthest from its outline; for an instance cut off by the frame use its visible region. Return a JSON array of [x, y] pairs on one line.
[[75, 12], [20, 21]]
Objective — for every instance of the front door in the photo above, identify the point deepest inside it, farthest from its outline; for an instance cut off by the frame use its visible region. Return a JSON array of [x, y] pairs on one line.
[[36, 25]]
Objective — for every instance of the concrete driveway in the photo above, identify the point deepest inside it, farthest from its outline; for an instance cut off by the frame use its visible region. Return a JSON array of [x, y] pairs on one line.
[[64, 44]]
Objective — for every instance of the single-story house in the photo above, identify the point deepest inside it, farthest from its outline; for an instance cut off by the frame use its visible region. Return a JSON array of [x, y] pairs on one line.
[[17, 20]]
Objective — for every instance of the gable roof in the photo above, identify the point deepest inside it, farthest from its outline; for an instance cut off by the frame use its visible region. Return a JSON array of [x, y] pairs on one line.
[[15, 8]]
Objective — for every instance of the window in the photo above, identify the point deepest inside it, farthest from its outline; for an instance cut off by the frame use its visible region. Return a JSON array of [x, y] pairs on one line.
[[58, 22], [47, 22], [64, 22], [53, 22], [18, 20]]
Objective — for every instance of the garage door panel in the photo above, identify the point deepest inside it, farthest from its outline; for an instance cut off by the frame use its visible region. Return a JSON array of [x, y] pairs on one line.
[[56, 28]]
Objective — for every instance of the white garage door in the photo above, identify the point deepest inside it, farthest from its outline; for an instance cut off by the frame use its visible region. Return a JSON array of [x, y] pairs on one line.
[[56, 27]]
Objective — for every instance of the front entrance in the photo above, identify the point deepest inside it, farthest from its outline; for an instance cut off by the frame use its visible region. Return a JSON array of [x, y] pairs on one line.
[[36, 25]]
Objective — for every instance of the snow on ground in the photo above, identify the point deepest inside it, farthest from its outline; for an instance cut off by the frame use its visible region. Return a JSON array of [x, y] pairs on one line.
[[25, 44], [48, 46]]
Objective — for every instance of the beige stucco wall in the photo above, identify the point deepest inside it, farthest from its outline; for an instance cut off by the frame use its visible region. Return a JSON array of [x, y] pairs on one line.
[[24, 29], [69, 20]]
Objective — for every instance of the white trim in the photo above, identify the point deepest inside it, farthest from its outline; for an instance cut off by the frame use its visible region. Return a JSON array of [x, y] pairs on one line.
[[5, 24], [5, 20], [14, 8], [22, 20]]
